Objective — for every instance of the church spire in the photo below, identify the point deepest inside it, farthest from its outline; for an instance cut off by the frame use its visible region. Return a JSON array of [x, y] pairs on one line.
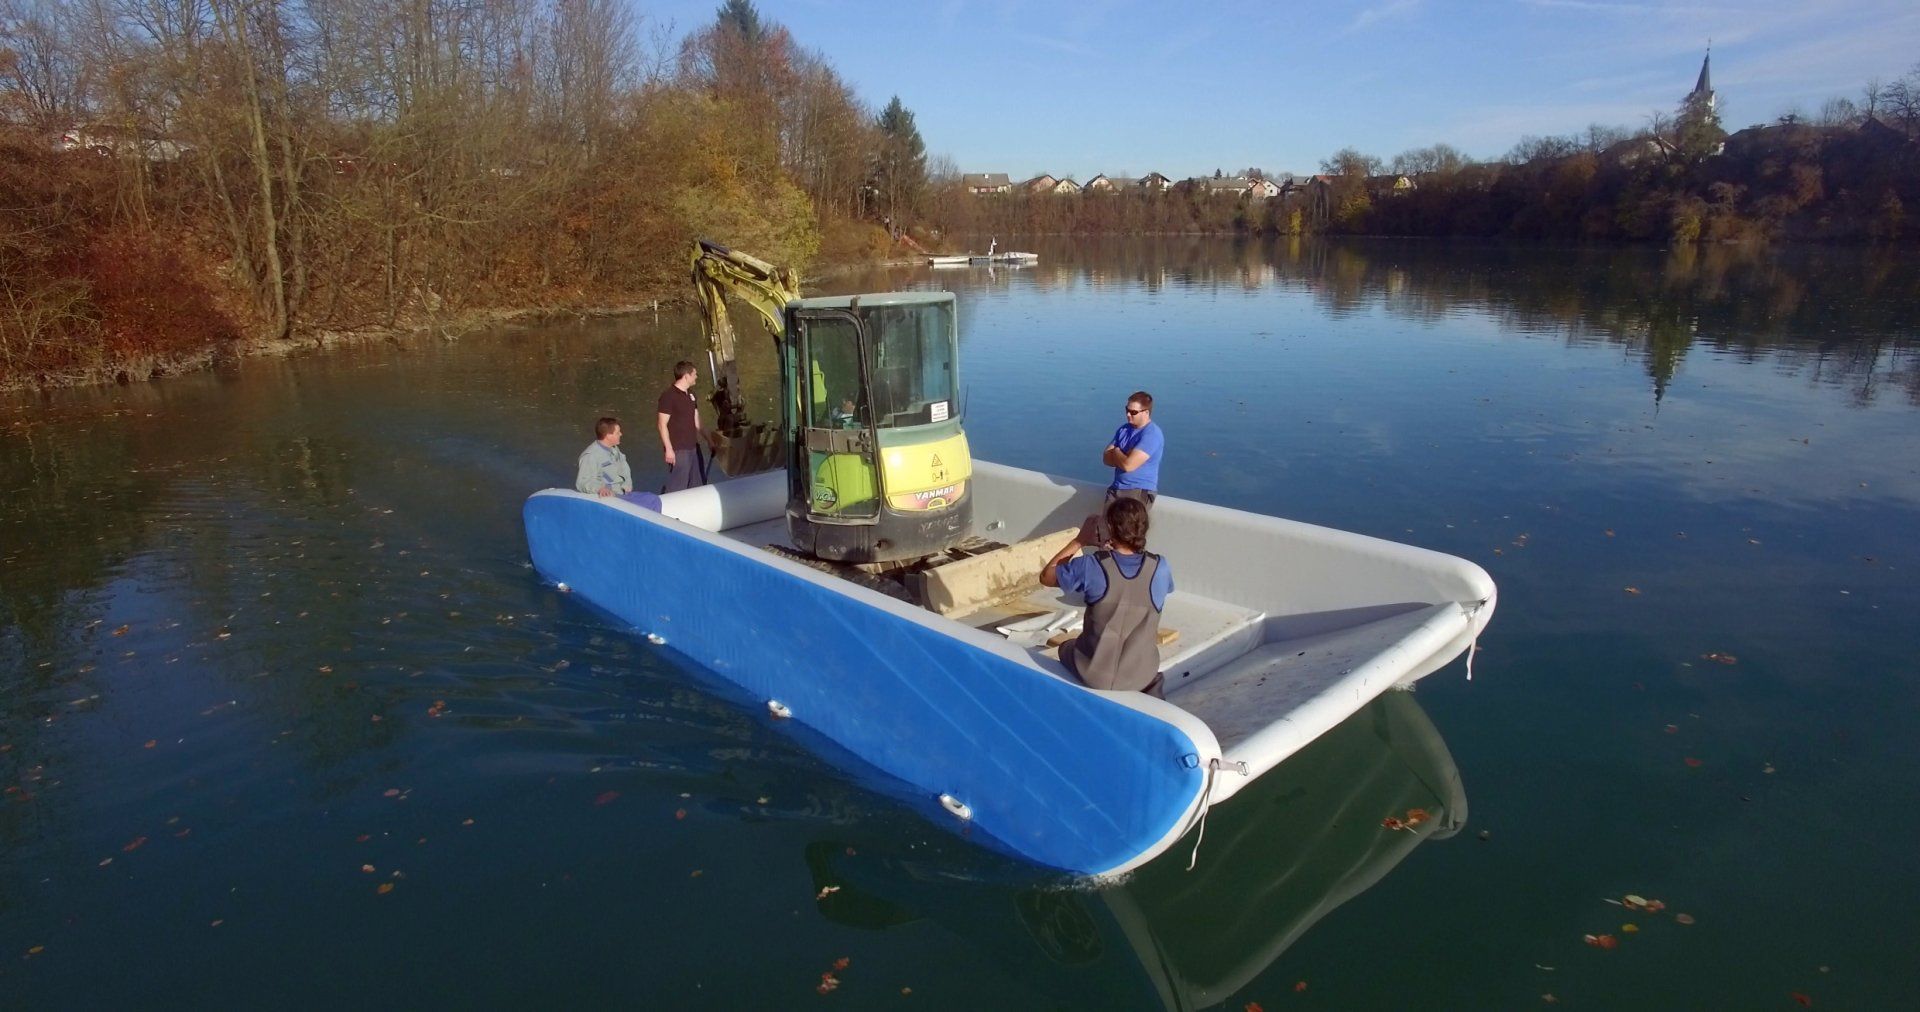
[[1704, 86]]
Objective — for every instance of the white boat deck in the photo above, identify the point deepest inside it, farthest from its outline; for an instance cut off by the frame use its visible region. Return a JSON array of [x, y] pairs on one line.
[[1284, 629]]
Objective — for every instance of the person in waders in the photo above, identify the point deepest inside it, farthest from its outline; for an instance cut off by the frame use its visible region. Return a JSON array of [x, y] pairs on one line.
[[1125, 588]]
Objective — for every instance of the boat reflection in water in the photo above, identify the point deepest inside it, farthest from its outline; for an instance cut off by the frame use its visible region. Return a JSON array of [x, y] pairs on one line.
[[1289, 849]]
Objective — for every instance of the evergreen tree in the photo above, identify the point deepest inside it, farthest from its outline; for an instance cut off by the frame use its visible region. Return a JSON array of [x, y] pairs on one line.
[[1697, 134], [741, 16], [901, 172]]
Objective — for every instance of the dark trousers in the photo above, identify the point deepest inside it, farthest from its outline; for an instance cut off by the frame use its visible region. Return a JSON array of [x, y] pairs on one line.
[[687, 470]]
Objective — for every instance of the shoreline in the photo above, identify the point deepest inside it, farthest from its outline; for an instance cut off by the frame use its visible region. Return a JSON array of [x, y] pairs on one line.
[[151, 368]]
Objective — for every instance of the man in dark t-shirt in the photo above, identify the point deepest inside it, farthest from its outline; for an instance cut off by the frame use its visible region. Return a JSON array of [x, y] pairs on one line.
[[680, 431]]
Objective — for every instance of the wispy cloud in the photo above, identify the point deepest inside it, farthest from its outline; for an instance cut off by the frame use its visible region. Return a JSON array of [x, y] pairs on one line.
[[1371, 16], [1058, 45]]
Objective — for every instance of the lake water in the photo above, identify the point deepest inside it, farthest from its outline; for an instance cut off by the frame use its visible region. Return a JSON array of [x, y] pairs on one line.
[[271, 645]]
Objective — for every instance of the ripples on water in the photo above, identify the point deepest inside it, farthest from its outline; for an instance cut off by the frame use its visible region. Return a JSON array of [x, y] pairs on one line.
[[269, 627]]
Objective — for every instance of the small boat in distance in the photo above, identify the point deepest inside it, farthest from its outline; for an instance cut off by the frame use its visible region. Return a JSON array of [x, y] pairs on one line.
[[990, 256]]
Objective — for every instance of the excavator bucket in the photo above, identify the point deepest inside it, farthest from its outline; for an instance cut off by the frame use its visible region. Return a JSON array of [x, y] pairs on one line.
[[754, 448]]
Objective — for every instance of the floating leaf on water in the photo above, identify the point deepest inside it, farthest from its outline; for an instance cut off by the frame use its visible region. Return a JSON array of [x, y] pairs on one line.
[[217, 922], [385, 888], [825, 891], [1683, 918], [1392, 822], [679, 813], [1254, 1006], [1720, 658], [135, 844], [1801, 999], [362, 838], [105, 861], [366, 869], [1634, 901], [1655, 906], [1631, 590], [1549, 999], [842, 963], [1628, 929], [36, 950], [466, 822], [1695, 763], [152, 743], [1671, 729], [1601, 941], [1299, 986], [122, 631], [1768, 768], [606, 797], [1416, 816], [391, 792]]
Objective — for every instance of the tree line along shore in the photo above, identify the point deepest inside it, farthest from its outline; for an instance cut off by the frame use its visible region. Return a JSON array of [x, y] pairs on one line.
[[186, 179]]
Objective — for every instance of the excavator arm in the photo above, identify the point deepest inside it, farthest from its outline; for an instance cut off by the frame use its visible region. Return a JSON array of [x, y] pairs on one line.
[[746, 446]]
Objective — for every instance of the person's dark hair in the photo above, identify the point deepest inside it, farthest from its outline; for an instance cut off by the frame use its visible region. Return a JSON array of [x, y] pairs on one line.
[[604, 426], [1127, 523], [1142, 398], [682, 369]]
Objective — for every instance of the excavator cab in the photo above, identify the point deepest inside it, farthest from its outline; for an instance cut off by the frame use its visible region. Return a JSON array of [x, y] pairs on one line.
[[879, 467]]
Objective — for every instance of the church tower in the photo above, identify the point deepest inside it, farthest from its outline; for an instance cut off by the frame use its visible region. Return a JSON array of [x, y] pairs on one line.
[[1703, 88]]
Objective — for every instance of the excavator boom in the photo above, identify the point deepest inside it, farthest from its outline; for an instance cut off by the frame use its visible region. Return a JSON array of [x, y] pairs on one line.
[[746, 446]]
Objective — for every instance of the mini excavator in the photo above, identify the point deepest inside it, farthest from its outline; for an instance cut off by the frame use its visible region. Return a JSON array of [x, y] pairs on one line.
[[870, 418]]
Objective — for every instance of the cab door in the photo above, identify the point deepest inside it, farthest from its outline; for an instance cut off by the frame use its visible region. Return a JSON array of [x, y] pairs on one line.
[[836, 449]]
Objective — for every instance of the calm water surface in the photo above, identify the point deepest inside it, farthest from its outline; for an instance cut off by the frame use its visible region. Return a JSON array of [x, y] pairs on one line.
[[269, 644]]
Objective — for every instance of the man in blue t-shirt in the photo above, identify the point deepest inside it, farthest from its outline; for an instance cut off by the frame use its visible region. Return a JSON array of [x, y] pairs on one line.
[[1135, 453]]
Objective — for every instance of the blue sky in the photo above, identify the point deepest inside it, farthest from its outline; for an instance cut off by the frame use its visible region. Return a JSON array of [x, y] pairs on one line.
[[1122, 86]]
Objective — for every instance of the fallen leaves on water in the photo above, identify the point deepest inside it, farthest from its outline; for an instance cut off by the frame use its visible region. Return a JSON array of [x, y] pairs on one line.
[[135, 844], [842, 963], [1629, 928], [1720, 658], [439, 707], [391, 792], [122, 631], [1802, 1000], [1299, 986], [466, 822], [1671, 729], [152, 743], [1632, 590], [1602, 941], [1549, 998], [363, 837], [1695, 763], [36, 950], [1414, 817], [826, 891], [217, 923], [1683, 918], [1254, 1006], [385, 888], [606, 798], [366, 869], [679, 813]]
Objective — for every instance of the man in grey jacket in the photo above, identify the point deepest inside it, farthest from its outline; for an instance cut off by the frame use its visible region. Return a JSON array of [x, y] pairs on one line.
[[603, 468]]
